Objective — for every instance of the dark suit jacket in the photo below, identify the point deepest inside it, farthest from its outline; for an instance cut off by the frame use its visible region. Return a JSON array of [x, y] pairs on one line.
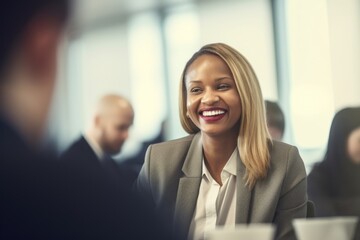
[[82, 157], [42, 198], [171, 177]]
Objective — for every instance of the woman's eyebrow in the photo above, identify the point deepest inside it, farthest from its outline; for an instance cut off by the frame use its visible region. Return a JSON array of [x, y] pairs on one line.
[[194, 81], [223, 78]]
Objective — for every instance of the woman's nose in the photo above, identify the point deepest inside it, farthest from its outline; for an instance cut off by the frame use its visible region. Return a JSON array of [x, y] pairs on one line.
[[210, 97]]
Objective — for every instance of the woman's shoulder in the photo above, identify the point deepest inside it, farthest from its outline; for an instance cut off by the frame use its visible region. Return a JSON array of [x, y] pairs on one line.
[[172, 148], [175, 142], [165, 159], [281, 150], [286, 158]]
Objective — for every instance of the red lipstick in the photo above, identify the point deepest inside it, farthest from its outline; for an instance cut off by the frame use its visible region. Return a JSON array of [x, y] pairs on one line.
[[212, 114]]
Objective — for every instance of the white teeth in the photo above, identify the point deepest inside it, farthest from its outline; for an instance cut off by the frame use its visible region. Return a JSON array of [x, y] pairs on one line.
[[212, 113]]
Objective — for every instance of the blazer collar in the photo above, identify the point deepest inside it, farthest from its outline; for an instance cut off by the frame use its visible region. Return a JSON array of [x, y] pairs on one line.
[[193, 161], [188, 188]]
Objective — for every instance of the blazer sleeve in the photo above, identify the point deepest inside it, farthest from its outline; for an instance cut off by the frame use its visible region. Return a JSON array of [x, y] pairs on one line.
[[142, 185], [293, 199]]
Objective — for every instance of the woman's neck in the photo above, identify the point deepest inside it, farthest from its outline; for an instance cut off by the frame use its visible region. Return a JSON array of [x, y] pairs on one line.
[[217, 152]]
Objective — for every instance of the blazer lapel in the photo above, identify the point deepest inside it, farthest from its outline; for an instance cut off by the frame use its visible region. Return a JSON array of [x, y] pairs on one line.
[[188, 188], [243, 198]]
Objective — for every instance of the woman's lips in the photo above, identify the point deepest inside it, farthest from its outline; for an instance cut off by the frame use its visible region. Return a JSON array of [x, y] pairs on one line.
[[212, 115]]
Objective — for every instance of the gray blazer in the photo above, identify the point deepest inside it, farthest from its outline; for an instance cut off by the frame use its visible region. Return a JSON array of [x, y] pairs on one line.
[[171, 175]]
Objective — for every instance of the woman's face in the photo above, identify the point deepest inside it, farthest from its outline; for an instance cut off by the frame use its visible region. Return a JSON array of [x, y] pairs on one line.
[[353, 146], [213, 103]]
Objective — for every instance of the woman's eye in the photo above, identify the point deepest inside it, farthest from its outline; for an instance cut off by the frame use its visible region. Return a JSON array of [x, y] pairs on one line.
[[195, 90], [223, 86]]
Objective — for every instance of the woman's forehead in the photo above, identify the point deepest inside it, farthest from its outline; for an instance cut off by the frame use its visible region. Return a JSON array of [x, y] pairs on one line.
[[206, 65]]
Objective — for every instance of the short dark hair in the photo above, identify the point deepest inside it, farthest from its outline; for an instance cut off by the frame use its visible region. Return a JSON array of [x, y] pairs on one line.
[[15, 14], [274, 115]]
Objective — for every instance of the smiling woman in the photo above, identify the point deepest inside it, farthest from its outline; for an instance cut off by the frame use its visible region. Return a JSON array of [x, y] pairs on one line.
[[232, 66], [227, 167]]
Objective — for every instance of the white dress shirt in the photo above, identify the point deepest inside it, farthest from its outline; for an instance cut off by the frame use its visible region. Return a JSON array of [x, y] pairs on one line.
[[215, 204]]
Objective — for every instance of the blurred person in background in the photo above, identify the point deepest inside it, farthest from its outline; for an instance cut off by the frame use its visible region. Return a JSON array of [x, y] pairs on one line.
[[109, 129], [41, 198], [275, 120], [227, 171], [334, 183]]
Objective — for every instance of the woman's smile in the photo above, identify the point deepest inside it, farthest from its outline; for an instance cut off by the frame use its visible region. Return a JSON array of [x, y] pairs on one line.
[[212, 114]]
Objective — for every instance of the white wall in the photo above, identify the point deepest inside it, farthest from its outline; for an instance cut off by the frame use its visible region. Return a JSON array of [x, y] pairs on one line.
[[344, 28]]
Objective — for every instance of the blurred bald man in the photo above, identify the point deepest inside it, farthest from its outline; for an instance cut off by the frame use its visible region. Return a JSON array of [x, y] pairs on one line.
[[108, 131], [109, 128]]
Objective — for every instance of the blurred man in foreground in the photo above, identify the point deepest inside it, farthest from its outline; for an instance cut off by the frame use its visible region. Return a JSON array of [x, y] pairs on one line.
[[30, 31], [41, 199]]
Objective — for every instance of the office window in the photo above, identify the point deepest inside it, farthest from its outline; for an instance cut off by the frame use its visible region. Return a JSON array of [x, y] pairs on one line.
[[310, 76], [146, 78], [182, 40]]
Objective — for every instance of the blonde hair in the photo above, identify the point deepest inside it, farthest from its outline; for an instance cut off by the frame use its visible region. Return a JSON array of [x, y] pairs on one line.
[[253, 140]]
